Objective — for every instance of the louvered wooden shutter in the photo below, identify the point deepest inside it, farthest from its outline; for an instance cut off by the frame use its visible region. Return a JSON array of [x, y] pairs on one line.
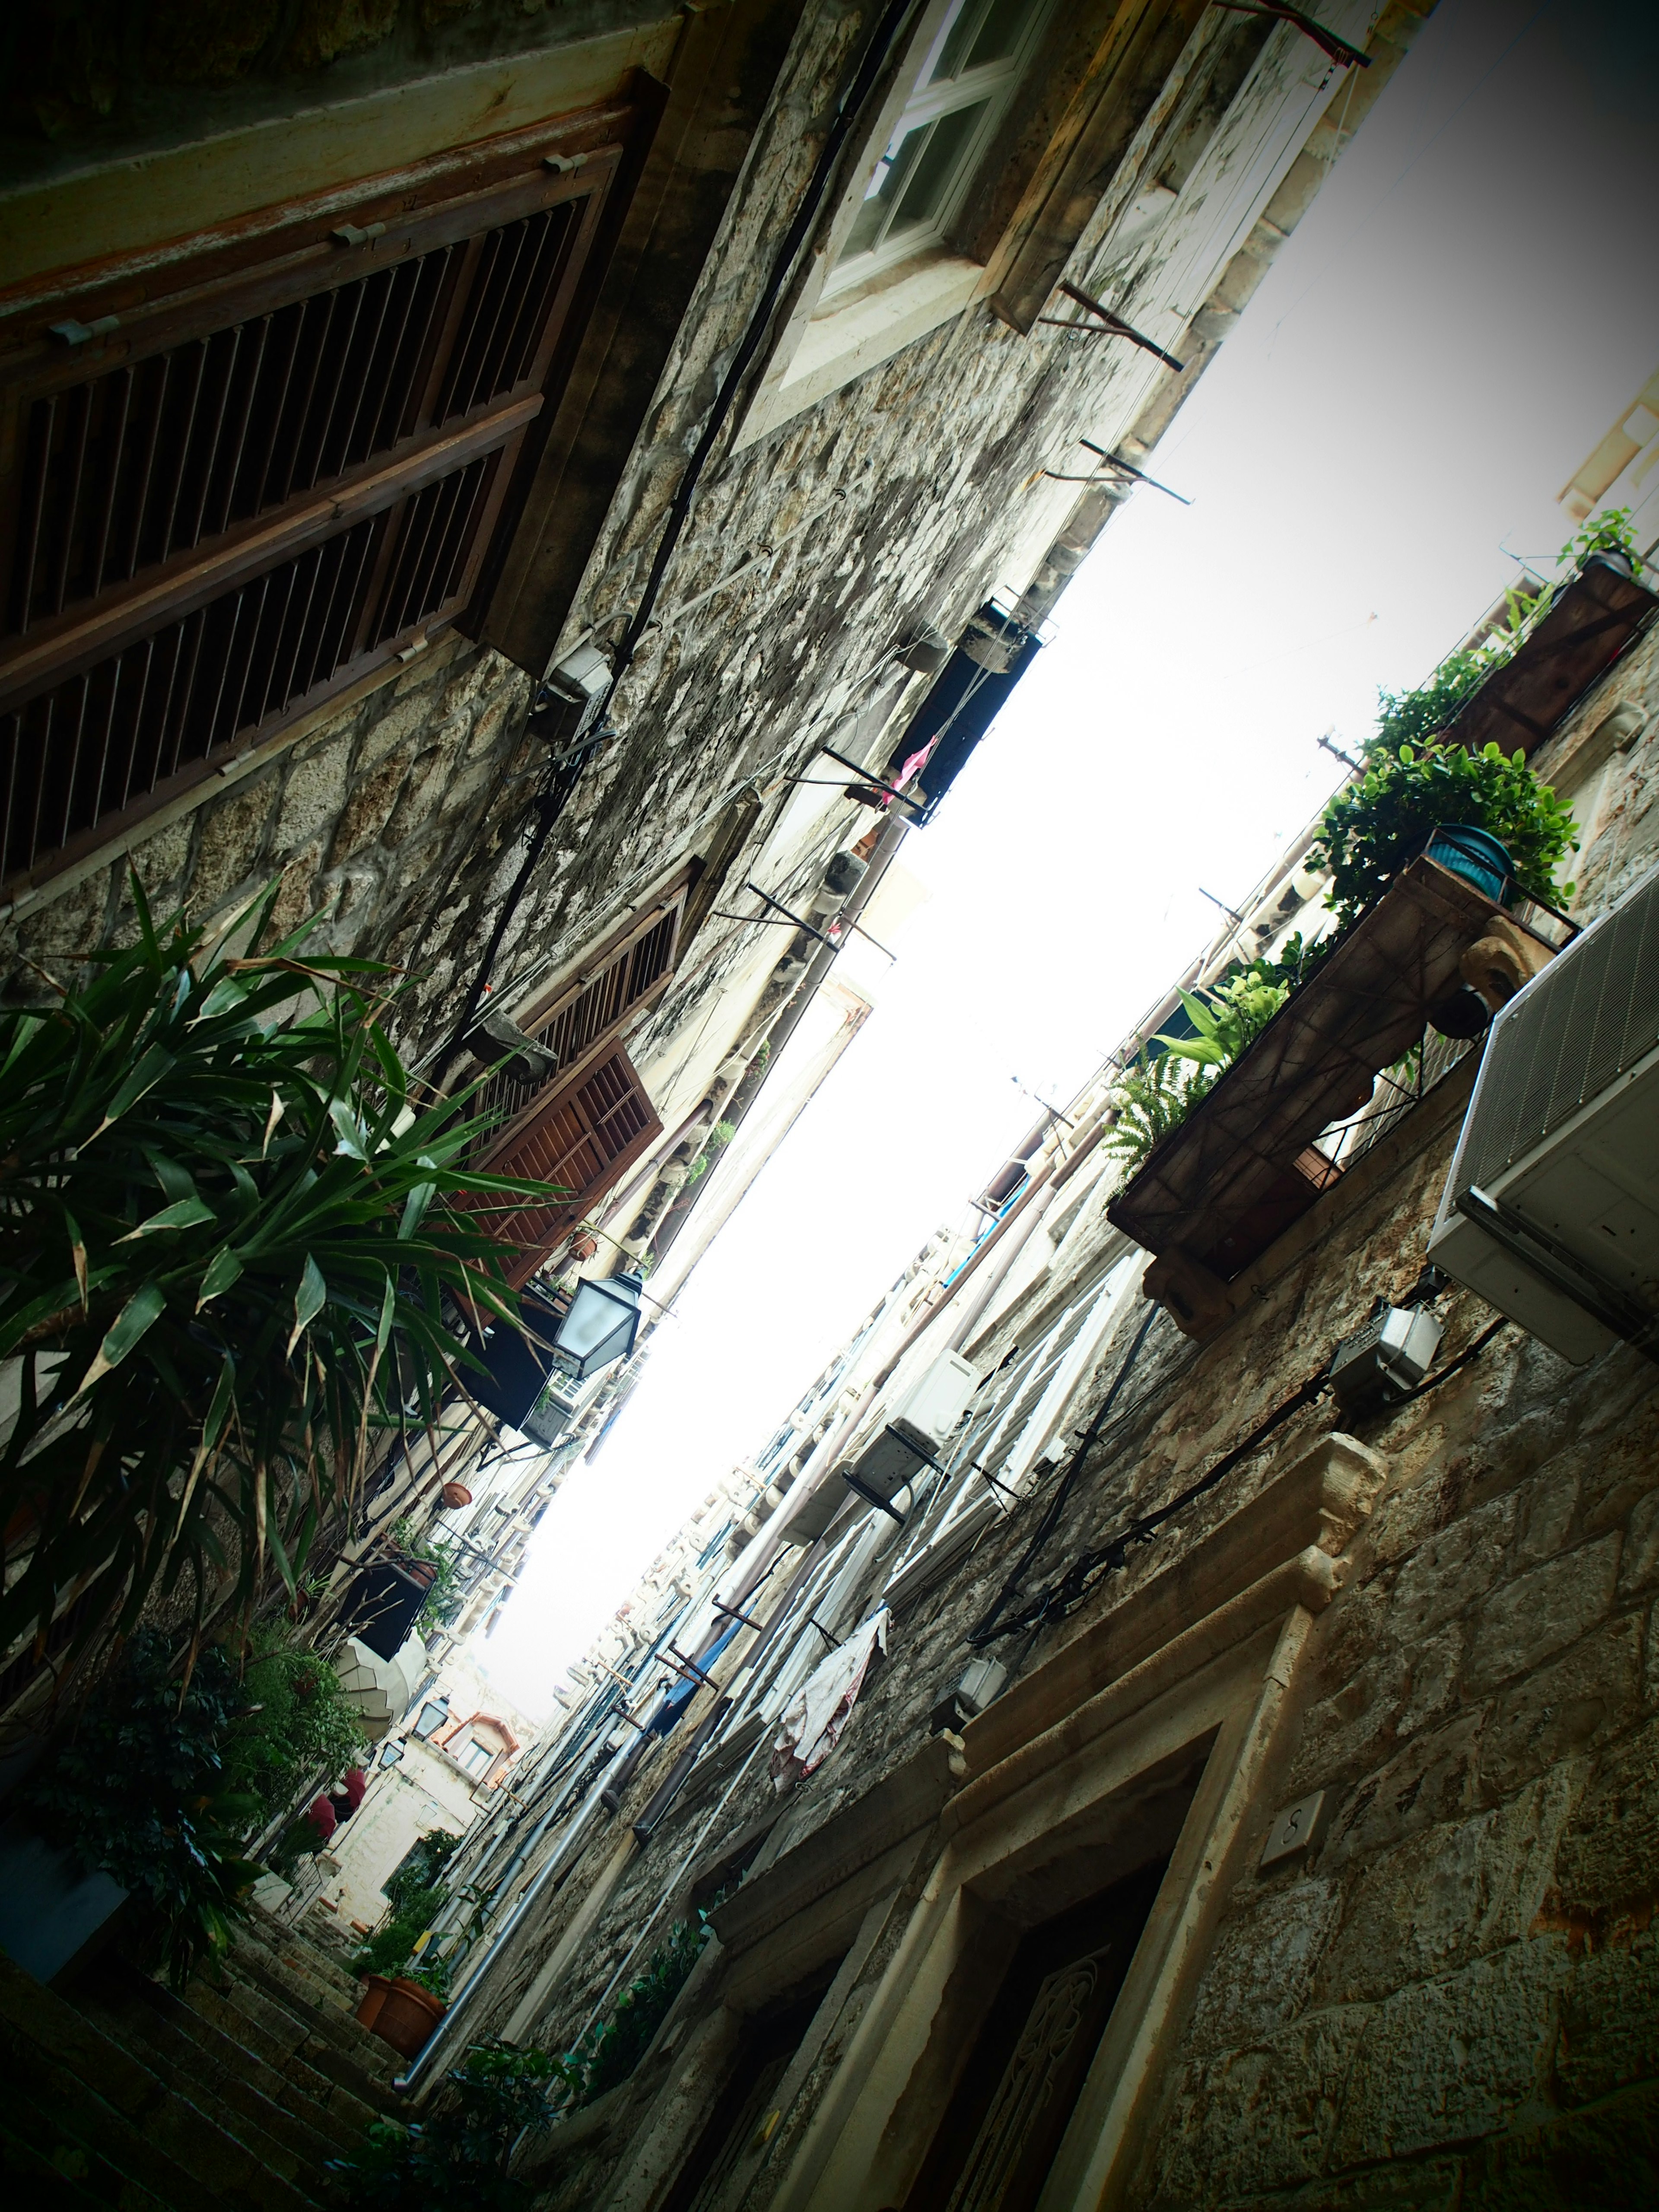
[[584, 1136], [633, 967], [270, 477]]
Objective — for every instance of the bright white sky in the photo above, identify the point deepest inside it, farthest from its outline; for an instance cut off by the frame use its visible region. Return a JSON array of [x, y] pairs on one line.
[[1468, 306]]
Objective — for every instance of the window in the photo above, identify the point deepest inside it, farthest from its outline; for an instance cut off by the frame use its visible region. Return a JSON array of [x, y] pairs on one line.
[[961, 95], [235, 482], [620, 979], [477, 1757], [582, 1136]]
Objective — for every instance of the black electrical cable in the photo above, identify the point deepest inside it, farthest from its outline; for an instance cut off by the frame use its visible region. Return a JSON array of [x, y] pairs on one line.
[[1068, 1590], [988, 1629], [551, 803]]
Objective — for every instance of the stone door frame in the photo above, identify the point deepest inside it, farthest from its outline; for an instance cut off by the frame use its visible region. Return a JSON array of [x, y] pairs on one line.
[[1186, 1690]]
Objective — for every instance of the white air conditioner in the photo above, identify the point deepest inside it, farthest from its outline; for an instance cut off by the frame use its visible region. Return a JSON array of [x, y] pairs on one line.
[[1550, 1210], [917, 1430]]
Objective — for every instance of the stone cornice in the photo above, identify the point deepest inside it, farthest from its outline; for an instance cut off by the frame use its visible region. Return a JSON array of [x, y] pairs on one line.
[[1281, 1548]]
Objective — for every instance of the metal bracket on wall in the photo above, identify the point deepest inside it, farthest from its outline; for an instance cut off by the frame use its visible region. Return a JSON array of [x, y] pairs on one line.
[[1111, 325], [1344, 55], [874, 781], [871, 1496], [1117, 461]]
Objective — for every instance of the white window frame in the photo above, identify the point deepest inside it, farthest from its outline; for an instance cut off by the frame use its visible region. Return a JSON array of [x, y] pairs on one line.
[[993, 85], [846, 322]]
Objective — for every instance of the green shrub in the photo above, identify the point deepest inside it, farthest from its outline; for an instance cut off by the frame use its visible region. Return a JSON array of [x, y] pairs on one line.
[[416, 1893], [139, 1790], [608, 2054], [296, 1721], [1373, 827], [225, 1234], [458, 2160]]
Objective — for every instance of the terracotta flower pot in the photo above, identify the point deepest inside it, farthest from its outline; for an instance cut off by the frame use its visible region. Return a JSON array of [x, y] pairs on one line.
[[406, 2017], [375, 1990], [455, 1495]]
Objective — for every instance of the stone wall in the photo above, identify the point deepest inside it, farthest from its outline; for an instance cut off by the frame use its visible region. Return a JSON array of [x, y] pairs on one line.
[[899, 501]]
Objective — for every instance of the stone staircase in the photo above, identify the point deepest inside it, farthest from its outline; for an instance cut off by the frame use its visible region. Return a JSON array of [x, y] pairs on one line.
[[236, 2094]]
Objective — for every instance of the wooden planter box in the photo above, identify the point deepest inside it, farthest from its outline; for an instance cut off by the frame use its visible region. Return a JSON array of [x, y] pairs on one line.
[[1597, 617], [1213, 1194]]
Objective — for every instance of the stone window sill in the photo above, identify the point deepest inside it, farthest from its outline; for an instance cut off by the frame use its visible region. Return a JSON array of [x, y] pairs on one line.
[[844, 341]]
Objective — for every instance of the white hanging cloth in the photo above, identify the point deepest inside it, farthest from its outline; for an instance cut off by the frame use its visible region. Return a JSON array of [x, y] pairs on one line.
[[813, 1721]]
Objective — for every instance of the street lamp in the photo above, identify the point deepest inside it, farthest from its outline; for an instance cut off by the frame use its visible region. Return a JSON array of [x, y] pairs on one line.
[[600, 1326], [528, 1384]]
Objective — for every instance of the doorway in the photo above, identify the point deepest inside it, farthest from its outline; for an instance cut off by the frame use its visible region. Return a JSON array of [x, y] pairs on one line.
[[993, 2150]]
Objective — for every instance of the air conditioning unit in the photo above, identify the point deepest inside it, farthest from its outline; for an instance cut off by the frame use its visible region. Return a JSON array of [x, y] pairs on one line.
[[1550, 1210], [918, 1430]]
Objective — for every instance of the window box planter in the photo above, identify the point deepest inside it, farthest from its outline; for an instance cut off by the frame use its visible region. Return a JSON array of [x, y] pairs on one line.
[[385, 1603], [1593, 621], [1213, 1194]]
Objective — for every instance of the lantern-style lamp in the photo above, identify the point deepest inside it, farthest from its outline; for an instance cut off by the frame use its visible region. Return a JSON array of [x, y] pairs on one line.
[[528, 1383], [600, 1326]]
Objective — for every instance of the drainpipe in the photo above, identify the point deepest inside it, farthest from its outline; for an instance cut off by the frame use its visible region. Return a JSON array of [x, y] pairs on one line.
[[444, 2034]]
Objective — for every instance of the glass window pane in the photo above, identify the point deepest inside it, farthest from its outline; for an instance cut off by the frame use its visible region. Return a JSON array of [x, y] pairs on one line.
[[1003, 23], [931, 176], [964, 23], [892, 171]]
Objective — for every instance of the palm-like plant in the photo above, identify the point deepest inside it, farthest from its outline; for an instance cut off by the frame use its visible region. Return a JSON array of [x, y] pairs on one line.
[[227, 1232]]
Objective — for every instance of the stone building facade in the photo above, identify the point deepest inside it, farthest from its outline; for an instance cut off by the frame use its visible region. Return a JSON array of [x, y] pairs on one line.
[[474, 468], [1269, 1774], [736, 565]]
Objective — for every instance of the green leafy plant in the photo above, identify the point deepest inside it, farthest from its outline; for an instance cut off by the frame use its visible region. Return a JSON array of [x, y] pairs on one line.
[[295, 1720], [458, 2160], [1150, 1098], [226, 1229], [610, 2052], [435, 1975], [1226, 1018], [1373, 827], [1613, 530], [444, 1597], [139, 1790], [417, 1892]]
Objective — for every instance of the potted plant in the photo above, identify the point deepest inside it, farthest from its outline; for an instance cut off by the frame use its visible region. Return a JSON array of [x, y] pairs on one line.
[[215, 1209], [137, 1793], [1486, 816], [411, 2007]]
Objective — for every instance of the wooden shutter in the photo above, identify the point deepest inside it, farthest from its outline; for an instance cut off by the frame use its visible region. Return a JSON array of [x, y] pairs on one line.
[[623, 974], [584, 1135], [232, 485]]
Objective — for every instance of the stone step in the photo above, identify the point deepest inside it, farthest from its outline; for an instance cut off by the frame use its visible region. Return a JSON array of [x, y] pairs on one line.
[[248, 2016], [303, 2086], [104, 2099], [304, 1950], [183, 2048], [376, 2061], [43, 2151], [302, 1970]]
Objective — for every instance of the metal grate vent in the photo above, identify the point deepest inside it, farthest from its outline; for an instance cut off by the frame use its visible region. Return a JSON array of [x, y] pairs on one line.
[[511, 292], [1592, 1013]]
